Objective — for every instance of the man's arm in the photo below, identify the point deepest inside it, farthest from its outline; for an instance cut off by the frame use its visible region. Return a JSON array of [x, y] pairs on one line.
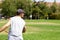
[[24, 29], [5, 26]]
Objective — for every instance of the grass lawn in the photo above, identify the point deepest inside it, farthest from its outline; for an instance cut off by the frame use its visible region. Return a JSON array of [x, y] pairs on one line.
[[38, 30]]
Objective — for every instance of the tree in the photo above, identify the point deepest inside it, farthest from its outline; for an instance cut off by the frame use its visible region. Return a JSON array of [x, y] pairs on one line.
[[0, 5], [8, 8], [36, 9], [53, 9]]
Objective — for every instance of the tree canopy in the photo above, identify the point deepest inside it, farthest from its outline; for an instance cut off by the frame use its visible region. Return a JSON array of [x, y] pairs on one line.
[[38, 10]]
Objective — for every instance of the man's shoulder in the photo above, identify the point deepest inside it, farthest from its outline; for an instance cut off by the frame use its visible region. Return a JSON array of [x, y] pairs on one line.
[[23, 20], [12, 17]]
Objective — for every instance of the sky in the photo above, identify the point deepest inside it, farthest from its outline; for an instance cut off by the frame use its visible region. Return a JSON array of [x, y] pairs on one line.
[[50, 0]]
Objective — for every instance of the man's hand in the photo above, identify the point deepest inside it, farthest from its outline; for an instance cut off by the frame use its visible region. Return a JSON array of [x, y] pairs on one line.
[[5, 26], [24, 29]]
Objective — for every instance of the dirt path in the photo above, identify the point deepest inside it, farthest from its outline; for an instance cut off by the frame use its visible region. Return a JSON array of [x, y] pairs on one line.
[[46, 23]]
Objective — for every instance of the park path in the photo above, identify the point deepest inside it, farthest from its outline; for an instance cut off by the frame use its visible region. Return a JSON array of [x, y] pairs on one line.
[[44, 23]]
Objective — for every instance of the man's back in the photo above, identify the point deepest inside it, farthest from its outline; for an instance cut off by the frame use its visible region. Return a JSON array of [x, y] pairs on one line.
[[17, 25]]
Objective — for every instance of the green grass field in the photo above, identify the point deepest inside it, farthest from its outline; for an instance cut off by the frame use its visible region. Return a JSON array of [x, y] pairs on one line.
[[37, 30]]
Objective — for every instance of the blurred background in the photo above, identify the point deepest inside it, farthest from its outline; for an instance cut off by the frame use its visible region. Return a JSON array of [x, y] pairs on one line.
[[42, 18], [34, 9]]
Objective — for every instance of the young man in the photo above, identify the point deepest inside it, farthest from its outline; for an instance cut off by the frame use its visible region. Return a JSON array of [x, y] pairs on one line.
[[17, 26]]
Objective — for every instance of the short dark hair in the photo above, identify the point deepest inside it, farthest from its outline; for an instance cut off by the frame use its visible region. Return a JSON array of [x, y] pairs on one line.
[[17, 13]]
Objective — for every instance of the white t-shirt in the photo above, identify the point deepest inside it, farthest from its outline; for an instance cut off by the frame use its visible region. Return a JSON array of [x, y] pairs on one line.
[[17, 25]]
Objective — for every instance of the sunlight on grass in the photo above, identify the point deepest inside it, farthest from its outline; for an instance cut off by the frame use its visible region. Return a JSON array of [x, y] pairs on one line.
[[37, 31]]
